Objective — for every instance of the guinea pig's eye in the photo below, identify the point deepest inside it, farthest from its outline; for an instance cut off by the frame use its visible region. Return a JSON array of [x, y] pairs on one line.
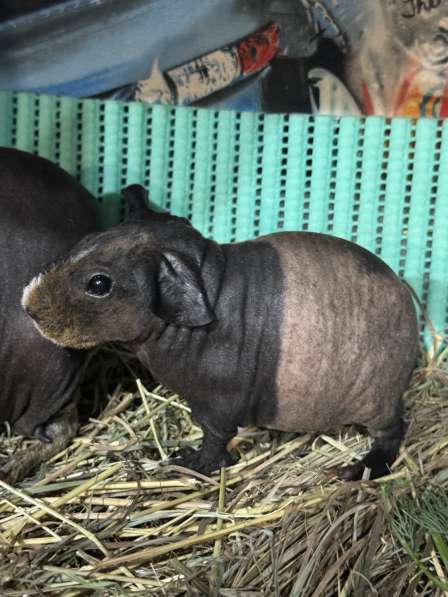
[[99, 285]]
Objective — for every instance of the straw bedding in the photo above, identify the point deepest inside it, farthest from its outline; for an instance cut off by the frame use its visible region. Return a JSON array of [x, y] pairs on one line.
[[104, 517]]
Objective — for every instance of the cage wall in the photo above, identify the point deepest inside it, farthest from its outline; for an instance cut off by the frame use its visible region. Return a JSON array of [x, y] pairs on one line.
[[379, 182]]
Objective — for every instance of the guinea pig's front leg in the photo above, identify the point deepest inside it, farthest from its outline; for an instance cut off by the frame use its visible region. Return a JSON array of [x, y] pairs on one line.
[[57, 433], [213, 453]]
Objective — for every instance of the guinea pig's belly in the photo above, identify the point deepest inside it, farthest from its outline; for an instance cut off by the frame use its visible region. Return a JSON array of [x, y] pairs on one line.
[[304, 410], [327, 393]]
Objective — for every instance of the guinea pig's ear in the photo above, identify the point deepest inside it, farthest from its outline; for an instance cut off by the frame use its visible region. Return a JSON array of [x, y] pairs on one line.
[[182, 299], [136, 200]]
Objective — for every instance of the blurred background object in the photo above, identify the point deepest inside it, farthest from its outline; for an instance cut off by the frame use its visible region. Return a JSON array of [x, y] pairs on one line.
[[323, 56]]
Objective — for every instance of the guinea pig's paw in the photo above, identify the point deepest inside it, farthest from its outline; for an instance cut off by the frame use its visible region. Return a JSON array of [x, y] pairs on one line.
[[13, 471], [187, 453], [228, 459], [40, 433], [352, 472], [187, 458], [209, 465], [201, 462]]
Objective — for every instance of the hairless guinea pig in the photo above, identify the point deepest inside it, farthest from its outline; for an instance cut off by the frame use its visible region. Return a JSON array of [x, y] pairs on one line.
[[44, 212], [293, 331]]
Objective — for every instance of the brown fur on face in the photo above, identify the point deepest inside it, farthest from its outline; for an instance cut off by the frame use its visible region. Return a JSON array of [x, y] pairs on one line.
[[64, 314], [46, 300], [149, 283]]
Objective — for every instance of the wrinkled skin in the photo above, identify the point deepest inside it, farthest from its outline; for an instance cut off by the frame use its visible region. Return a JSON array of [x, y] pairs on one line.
[[292, 331], [43, 214]]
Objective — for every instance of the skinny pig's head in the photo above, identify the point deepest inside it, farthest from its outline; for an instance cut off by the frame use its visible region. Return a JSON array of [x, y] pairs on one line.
[[119, 285]]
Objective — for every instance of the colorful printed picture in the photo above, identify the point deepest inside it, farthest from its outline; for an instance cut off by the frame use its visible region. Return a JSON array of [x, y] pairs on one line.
[[337, 57]]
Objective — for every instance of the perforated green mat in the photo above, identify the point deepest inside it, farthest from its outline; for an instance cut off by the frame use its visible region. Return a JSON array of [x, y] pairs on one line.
[[381, 183]]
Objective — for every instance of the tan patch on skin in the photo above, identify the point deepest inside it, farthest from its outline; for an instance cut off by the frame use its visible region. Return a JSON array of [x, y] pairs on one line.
[[348, 339], [66, 338], [44, 299]]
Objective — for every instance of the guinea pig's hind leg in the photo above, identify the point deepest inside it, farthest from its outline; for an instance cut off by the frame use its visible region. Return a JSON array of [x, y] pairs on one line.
[[381, 456], [60, 431], [211, 456]]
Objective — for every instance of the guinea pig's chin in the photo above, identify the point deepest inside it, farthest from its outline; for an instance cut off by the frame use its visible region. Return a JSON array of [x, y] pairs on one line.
[[64, 342]]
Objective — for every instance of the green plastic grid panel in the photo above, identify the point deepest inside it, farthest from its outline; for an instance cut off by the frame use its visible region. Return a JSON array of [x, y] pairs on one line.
[[382, 183]]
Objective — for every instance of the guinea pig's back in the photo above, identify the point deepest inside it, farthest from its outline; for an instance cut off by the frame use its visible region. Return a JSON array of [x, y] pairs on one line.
[[39, 198], [348, 335], [44, 212]]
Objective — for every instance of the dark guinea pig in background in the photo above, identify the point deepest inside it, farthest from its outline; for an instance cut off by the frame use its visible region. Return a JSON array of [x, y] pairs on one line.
[[294, 331], [44, 212]]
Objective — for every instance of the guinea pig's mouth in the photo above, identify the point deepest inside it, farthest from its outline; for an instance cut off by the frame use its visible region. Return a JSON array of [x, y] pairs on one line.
[[66, 339]]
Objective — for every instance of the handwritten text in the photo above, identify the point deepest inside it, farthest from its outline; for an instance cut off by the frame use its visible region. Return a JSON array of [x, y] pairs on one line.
[[415, 7]]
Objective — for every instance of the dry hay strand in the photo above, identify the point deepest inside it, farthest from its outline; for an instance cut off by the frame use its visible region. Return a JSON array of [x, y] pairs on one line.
[[104, 517]]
